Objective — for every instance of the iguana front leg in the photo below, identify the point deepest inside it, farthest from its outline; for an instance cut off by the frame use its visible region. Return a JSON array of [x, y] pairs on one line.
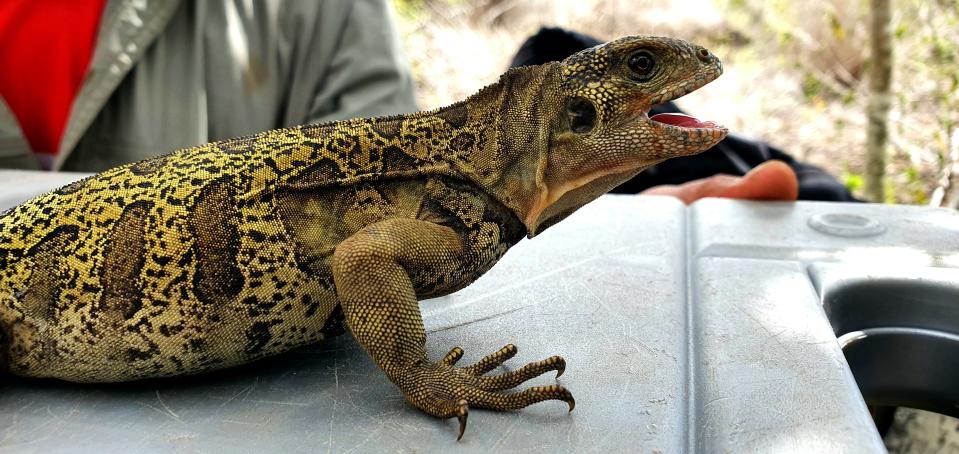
[[371, 270]]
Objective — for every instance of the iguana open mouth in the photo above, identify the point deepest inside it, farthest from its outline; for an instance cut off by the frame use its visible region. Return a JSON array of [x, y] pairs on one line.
[[683, 121]]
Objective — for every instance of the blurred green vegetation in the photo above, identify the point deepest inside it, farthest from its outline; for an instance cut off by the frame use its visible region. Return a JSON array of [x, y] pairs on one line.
[[826, 42], [796, 71]]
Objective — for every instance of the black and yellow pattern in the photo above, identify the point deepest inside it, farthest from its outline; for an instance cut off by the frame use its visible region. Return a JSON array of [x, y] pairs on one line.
[[224, 253]]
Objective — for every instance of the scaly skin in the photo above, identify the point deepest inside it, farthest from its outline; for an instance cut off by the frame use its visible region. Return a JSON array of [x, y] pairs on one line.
[[224, 253]]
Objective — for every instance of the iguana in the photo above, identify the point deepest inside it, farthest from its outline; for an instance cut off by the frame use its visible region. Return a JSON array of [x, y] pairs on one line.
[[224, 253]]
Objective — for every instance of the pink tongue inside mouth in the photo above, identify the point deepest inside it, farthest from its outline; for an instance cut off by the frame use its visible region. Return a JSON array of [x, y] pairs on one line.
[[683, 121]]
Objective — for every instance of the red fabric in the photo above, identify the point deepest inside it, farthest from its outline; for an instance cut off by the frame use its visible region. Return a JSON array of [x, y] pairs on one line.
[[45, 50]]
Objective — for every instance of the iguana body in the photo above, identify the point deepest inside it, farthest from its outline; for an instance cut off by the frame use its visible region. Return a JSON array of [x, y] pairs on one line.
[[224, 253]]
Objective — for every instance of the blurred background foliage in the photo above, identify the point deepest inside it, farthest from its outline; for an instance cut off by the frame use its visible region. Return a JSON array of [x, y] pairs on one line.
[[795, 71]]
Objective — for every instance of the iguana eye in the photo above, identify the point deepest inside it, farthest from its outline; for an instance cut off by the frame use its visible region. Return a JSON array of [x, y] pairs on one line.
[[641, 64], [582, 115]]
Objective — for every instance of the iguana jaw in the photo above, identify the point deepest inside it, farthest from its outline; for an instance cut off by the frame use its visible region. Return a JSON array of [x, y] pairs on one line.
[[668, 136], [555, 201]]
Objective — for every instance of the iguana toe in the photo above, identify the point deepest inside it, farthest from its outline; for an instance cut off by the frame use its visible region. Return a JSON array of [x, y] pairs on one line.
[[511, 379], [453, 356], [493, 360]]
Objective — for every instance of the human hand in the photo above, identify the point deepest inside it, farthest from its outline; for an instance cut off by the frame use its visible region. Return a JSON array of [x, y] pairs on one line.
[[771, 180]]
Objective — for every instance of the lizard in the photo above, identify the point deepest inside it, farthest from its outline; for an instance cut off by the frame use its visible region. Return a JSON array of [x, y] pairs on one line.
[[224, 253]]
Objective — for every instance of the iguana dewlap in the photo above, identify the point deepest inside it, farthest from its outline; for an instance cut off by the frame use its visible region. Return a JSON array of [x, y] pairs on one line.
[[220, 254]]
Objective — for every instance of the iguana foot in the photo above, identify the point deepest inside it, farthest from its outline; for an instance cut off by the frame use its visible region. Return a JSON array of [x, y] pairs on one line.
[[445, 391]]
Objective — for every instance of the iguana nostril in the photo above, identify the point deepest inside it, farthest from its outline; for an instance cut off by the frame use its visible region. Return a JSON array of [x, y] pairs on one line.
[[703, 54]]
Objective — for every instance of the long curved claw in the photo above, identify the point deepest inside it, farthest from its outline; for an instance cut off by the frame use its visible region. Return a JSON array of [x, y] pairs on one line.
[[462, 413], [560, 365]]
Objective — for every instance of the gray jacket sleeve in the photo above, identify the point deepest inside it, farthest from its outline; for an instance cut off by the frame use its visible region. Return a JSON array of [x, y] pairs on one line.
[[368, 75]]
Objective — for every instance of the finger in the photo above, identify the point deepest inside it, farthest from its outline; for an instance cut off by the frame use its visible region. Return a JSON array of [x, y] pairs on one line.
[[694, 190], [772, 180]]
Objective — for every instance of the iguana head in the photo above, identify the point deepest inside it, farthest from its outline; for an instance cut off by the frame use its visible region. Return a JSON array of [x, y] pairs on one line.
[[596, 132]]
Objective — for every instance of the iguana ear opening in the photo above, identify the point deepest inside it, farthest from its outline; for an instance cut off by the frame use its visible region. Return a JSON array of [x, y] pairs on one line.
[[582, 115]]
